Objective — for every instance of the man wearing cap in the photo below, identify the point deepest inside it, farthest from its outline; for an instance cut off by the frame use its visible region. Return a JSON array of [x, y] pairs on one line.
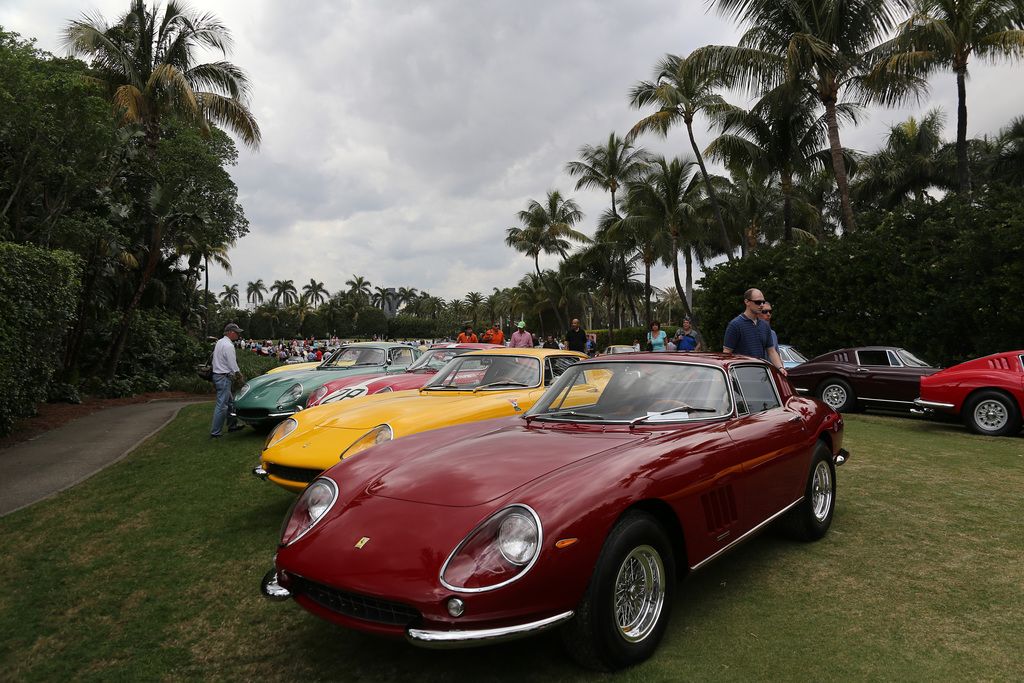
[[225, 367], [521, 339]]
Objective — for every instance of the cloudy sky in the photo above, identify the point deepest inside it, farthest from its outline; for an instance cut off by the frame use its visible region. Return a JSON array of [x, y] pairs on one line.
[[400, 138]]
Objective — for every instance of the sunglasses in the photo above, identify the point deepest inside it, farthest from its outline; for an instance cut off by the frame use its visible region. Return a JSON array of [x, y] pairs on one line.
[[768, 312], [759, 302]]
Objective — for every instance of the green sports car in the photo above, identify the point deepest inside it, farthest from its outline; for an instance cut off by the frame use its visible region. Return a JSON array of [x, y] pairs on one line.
[[266, 400]]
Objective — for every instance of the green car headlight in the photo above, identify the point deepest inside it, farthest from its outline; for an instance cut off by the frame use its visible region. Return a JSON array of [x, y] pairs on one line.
[[242, 392], [293, 395], [371, 438]]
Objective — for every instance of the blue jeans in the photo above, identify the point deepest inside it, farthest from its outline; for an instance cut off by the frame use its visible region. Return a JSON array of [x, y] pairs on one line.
[[225, 404]]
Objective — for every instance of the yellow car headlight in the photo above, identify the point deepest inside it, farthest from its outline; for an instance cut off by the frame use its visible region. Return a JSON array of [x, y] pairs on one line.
[[280, 431], [371, 438]]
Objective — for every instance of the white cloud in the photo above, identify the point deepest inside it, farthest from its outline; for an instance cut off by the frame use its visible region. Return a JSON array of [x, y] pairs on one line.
[[400, 138]]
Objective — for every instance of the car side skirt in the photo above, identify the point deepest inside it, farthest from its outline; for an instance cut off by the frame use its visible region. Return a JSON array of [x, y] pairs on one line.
[[439, 640], [750, 533]]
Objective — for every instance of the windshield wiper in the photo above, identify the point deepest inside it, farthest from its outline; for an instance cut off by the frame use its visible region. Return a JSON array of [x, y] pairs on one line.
[[570, 413], [502, 383], [677, 409]]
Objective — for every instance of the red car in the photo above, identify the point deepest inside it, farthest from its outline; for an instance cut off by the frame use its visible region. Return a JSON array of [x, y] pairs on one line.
[[630, 472], [863, 377], [413, 377], [986, 392]]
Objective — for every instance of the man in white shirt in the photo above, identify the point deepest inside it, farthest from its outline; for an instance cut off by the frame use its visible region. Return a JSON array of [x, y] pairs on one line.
[[225, 367]]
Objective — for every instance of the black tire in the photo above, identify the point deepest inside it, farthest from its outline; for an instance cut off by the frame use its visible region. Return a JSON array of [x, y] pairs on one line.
[[812, 517], [992, 413], [636, 564], [838, 393]]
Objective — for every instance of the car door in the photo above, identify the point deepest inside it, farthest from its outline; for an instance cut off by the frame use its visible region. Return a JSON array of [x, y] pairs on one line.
[[772, 443], [882, 376]]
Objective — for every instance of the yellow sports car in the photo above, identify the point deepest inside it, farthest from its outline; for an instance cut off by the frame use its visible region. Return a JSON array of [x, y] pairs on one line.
[[474, 386]]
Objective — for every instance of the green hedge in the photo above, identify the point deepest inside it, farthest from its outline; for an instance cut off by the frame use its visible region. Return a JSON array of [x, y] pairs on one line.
[[38, 292], [942, 279]]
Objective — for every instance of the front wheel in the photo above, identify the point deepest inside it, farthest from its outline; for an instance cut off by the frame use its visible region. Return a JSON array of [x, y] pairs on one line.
[[625, 610], [812, 517], [992, 413], [839, 394]]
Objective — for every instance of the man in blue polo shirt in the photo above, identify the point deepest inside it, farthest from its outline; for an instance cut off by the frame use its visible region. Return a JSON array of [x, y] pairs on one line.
[[747, 334]]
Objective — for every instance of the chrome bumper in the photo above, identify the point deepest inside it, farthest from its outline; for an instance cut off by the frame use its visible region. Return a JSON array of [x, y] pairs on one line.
[[842, 456], [271, 589], [487, 636], [258, 471], [933, 405]]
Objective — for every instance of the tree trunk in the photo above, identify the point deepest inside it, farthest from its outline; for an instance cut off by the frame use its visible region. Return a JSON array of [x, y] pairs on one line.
[[675, 272], [722, 234], [838, 164], [551, 298], [963, 174]]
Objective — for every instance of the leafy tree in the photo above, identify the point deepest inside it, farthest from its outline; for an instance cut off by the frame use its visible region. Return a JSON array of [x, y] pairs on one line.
[[285, 293], [609, 166], [229, 297], [943, 34], [360, 287], [147, 64], [547, 229], [254, 292], [316, 292]]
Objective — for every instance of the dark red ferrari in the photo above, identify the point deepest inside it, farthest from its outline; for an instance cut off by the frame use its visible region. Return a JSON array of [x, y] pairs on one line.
[[986, 393], [629, 473], [863, 377]]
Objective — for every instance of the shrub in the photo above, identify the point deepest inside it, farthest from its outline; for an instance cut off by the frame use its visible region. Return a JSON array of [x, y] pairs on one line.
[[38, 292]]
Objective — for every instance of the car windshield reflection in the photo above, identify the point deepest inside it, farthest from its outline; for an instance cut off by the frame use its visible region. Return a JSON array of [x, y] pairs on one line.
[[475, 373], [645, 392], [351, 356]]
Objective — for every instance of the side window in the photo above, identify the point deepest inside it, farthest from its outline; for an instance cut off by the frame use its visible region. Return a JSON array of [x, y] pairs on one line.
[[741, 405], [757, 388], [553, 367], [401, 356], [894, 360], [873, 358]]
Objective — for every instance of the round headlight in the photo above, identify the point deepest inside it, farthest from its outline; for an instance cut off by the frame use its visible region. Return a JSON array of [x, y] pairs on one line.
[[517, 539], [308, 509], [242, 392], [280, 431], [292, 395], [371, 438], [316, 396]]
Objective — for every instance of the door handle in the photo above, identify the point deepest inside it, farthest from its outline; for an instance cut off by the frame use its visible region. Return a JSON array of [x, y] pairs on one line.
[[795, 418]]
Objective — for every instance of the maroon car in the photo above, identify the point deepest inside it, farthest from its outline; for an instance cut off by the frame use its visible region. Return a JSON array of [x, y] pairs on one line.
[[630, 472], [863, 377], [987, 393]]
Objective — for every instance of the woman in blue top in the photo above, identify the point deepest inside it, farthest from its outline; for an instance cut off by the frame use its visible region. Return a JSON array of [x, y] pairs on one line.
[[656, 337]]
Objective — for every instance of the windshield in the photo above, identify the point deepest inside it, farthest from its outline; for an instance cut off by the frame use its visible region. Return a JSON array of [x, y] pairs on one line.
[[635, 391], [435, 359], [350, 356], [469, 372]]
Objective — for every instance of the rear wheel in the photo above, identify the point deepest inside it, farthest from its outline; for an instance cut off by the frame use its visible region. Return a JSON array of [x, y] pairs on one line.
[[838, 393], [625, 610], [812, 517], [992, 413]]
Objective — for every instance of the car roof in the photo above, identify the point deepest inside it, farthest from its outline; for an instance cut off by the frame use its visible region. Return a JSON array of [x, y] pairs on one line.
[[722, 360], [536, 353]]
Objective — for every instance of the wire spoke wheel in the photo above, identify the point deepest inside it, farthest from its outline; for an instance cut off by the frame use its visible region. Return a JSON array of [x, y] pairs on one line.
[[821, 491], [639, 593]]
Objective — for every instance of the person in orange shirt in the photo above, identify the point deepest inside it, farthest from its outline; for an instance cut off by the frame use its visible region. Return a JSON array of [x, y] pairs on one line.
[[494, 335], [467, 337]]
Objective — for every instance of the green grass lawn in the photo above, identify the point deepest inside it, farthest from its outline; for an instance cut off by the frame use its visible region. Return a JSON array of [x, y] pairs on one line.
[[150, 570]]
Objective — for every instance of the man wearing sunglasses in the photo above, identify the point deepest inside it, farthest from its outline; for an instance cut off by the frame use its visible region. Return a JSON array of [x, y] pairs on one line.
[[749, 335], [766, 315]]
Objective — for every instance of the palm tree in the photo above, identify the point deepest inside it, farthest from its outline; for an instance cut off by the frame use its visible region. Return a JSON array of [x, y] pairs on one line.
[[197, 246], [302, 307], [316, 292], [148, 66], [381, 298], [254, 292], [406, 296], [608, 166], [229, 297], [823, 43], [681, 90], [474, 300], [1007, 160], [285, 293], [359, 286], [943, 34], [914, 159], [782, 132], [548, 229]]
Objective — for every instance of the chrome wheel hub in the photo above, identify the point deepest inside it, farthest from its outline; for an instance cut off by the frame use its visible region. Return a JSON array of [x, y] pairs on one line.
[[639, 593]]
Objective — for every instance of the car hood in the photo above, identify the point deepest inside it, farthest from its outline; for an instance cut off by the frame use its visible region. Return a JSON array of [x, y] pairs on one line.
[[412, 407], [425, 469]]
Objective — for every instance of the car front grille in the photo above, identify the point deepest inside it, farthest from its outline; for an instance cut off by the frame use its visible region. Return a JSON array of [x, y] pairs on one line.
[[300, 474], [359, 606]]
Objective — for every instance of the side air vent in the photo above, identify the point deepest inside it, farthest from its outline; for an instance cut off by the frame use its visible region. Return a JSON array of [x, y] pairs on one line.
[[719, 508]]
